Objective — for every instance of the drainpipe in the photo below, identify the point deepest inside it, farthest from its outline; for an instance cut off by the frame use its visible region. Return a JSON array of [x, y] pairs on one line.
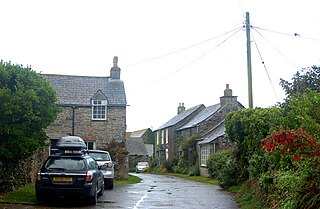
[[73, 107]]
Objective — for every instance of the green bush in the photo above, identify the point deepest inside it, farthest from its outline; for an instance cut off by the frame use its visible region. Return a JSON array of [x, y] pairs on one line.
[[229, 174], [170, 164], [177, 169], [217, 161], [132, 168], [258, 164], [194, 170]]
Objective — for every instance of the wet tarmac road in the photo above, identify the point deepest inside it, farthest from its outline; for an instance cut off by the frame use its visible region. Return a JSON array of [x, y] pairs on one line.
[[160, 192]]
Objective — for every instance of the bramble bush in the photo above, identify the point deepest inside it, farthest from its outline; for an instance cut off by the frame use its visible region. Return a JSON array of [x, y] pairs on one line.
[[293, 179]]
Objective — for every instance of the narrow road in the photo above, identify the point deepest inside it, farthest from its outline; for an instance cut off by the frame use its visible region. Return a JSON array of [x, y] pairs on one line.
[[154, 192], [160, 191]]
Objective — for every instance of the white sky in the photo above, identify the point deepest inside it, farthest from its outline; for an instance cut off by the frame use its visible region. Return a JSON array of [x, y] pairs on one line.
[[75, 37]]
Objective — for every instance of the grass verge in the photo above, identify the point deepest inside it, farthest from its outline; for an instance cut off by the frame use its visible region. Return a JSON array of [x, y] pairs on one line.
[[196, 178], [131, 180], [22, 194], [26, 194]]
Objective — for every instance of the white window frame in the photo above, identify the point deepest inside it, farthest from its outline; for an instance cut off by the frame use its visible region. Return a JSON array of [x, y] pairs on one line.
[[167, 136], [91, 142], [158, 137], [205, 152], [99, 109], [162, 136]]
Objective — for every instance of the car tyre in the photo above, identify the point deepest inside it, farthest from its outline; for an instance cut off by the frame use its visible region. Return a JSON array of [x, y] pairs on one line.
[[111, 185], [92, 200], [40, 198], [108, 184], [101, 190]]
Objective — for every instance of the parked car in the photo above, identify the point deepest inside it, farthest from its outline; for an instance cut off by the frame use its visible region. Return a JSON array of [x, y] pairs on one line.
[[70, 173], [142, 166], [103, 159]]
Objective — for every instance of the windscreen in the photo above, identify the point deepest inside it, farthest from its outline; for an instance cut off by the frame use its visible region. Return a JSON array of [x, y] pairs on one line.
[[100, 156], [65, 164]]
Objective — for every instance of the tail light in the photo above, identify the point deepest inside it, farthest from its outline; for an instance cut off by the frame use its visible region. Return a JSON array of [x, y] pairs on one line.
[[89, 176], [39, 176], [109, 165]]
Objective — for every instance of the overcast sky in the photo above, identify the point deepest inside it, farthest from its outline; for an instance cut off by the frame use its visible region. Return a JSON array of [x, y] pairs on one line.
[[170, 51]]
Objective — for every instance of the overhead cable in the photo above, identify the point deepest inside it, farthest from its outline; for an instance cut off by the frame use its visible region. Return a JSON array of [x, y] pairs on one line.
[[201, 56], [276, 49], [287, 34], [264, 65], [182, 49]]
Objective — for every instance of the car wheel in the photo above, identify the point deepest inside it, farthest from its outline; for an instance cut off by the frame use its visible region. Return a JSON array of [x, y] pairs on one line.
[[111, 185], [40, 198], [101, 190], [94, 198]]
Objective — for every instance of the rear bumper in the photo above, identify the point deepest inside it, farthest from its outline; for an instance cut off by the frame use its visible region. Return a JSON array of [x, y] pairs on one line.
[[45, 192], [107, 174]]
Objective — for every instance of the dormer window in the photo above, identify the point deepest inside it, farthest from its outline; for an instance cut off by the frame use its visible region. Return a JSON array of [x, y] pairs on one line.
[[99, 109]]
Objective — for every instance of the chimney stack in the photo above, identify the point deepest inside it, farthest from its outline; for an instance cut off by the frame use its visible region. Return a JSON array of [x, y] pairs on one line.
[[227, 97], [181, 108], [115, 70]]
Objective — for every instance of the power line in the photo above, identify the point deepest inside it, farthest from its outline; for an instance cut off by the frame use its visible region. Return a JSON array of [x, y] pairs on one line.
[[276, 49], [179, 50], [264, 65], [287, 34], [198, 58]]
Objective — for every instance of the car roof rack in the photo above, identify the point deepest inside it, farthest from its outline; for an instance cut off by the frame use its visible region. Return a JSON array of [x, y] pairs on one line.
[[71, 145]]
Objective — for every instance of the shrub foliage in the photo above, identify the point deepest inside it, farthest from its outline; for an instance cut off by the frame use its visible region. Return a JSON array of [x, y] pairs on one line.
[[27, 102]]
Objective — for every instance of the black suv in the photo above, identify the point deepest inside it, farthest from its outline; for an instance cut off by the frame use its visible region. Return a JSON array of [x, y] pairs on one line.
[[70, 173]]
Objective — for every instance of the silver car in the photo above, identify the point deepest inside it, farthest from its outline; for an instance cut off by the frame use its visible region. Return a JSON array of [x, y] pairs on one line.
[[104, 160], [142, 166]]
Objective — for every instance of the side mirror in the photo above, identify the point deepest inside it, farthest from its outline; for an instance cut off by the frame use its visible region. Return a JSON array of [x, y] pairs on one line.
[[103, 167]]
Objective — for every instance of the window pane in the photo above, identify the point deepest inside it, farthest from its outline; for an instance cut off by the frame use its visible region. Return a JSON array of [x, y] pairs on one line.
[[99, 109]]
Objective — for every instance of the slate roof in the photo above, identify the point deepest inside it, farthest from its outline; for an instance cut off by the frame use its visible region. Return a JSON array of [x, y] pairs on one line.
[[138, 134], [136, 147], [217, 131], [180, 117], [201, 116], [80, 89]]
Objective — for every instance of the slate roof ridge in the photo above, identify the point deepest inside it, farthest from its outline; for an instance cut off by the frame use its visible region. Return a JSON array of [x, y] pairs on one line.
[[80, 89], [139, 133], [179, 117], [62, 75], [214, 133], [210, 130], [201, 116]]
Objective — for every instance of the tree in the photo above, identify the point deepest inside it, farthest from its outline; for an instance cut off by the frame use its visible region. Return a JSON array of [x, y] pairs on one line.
[[302, 110], [302, 104], [247, 127], [27, 106], [306, 79]]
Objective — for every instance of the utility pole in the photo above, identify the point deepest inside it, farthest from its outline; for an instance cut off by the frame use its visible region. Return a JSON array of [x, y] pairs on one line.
[[249, 60]]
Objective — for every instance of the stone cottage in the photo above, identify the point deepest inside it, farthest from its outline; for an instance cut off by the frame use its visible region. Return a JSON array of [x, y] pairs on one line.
[[93, 108], [207, 123], [166, 138], [137, 151], [147, 136]]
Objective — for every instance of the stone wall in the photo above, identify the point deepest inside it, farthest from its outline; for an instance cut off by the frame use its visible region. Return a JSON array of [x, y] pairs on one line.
[[102, 132], [16, 174]]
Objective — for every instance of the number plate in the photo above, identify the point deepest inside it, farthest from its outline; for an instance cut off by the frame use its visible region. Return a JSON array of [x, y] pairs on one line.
[[62, 179]]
